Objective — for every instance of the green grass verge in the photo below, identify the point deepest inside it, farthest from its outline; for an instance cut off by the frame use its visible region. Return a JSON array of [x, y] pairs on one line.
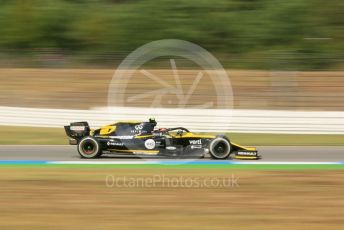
[[287, 139], [56, 136], [10, 135]]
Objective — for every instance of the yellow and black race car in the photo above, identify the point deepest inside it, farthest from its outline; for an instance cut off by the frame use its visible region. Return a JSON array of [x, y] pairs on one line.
[[141, 138]]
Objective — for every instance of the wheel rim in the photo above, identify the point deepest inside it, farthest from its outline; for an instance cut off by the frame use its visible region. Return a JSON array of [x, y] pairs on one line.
[[88, 147], [220, 148]]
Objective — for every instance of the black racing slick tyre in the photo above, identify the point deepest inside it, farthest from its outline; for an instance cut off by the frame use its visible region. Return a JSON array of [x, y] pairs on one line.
[[89, 147], [220, 148]]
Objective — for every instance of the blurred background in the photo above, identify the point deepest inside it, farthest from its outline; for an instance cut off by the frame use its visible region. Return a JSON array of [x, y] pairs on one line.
[[288, 44], [245, 34], [280, 55]]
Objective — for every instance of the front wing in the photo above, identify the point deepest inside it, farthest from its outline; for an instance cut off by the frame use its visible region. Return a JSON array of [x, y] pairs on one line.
[[245, 153]]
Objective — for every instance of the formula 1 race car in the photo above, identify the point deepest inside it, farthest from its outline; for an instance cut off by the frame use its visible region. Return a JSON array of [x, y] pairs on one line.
[[141, 138]]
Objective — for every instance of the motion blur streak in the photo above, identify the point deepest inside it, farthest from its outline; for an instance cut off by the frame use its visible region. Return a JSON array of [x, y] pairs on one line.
[[239, 121]]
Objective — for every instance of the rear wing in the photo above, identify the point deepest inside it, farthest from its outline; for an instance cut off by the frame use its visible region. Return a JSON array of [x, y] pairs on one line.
[[77, 130]]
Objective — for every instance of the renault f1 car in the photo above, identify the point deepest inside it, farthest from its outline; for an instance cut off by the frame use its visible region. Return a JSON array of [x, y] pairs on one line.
[[142, 138]]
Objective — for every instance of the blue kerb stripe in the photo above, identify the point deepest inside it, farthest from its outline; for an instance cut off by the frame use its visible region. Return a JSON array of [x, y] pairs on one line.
[[214, 162], [23, 162]]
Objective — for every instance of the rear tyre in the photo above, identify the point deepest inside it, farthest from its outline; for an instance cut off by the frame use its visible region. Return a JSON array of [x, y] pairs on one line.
[[89, 147], [220, 148]]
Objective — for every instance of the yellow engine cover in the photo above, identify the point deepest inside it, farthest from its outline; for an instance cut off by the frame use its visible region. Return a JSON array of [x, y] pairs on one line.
[[107, 130]]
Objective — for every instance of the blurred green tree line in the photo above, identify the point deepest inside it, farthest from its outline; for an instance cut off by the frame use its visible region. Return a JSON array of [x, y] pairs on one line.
[[309, 32]]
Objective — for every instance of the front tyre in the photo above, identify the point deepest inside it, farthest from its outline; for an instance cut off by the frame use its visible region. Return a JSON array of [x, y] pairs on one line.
[[220, 148], [89, 147]]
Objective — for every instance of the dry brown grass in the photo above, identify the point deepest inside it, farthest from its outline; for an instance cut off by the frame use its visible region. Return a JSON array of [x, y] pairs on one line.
[[62, 198], [85, 88]]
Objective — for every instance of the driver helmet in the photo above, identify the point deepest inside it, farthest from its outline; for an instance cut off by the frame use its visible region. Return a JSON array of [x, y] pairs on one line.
[[152, 121]]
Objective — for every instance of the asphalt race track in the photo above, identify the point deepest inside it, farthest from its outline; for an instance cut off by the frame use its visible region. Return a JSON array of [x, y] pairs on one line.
[[269, 153]]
